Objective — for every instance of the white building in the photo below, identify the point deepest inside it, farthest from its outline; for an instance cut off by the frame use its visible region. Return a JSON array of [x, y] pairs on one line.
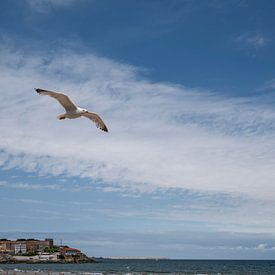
[[20, 248]]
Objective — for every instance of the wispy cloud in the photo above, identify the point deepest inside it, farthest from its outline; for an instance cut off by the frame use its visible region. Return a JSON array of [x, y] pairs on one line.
[[253, 40], [161, 135]]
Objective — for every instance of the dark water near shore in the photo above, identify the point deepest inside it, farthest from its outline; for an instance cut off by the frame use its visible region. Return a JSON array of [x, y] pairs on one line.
[[149, 266]]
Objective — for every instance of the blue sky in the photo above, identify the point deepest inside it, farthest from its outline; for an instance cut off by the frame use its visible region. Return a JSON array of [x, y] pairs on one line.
[[187, 91]]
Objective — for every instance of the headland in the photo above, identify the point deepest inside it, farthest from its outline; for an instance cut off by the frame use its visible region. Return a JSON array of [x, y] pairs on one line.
[[39, 251]]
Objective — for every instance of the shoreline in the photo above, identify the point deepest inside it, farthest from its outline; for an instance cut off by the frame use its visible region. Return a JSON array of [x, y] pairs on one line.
[[49, 262]]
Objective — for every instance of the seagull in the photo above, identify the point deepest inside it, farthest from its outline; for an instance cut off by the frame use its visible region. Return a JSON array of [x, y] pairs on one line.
[[73, 111]]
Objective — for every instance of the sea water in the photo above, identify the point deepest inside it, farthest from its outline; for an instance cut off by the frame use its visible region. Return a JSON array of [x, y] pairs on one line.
[[122, 266]]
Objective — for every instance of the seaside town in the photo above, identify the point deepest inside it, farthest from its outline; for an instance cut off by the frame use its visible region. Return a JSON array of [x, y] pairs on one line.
[[39, 251]]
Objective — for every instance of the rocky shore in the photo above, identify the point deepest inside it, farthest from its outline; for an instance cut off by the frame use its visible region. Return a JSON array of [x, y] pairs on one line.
[[74, 260]]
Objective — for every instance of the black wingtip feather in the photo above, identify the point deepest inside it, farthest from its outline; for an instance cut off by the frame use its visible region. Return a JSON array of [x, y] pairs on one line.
[[105, 129], [37, 90]]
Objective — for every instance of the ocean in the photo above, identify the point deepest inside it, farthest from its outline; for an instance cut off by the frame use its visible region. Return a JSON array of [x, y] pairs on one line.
[[127, 266]]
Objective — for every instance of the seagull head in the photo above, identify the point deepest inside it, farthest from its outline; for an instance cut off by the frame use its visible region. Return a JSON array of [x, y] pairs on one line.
[[84, 110]]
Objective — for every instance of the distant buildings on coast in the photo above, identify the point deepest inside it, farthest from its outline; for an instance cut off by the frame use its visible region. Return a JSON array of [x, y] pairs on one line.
[[23, 246], [32, 251]]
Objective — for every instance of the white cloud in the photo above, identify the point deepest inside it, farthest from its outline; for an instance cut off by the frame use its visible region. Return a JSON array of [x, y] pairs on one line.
[[261, 247], [161, 135], [253, 40]]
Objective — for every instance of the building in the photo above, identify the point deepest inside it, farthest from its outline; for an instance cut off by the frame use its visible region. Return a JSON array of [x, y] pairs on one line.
[[22, 246], [6, 246], [38, 246], [33, 251], [72, 255]]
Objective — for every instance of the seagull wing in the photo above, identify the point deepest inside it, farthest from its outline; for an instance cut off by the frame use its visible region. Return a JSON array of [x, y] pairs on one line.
[[97, 120], [61, 98]]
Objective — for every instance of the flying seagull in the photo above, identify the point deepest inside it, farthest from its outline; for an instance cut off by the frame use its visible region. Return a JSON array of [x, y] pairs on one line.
[[73, 111]]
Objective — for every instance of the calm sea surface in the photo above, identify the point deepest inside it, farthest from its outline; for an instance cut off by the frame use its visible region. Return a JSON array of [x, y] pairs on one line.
[[147, 267]]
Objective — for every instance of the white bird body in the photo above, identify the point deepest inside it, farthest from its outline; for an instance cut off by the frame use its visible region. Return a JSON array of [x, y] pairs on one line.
[[73, 111], [74, 114]]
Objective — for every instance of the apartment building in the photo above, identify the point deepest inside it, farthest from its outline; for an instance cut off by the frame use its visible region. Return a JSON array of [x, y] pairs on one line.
[[22, 246]]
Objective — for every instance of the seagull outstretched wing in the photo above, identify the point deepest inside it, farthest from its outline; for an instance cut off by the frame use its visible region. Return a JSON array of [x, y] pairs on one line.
[[97, 120], [64, 100]]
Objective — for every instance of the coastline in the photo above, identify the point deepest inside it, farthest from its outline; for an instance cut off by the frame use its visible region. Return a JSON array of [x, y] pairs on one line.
[[14, 262]]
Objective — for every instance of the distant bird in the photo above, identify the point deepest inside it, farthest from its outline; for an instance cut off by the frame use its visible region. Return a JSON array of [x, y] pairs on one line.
[[73, 111]]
